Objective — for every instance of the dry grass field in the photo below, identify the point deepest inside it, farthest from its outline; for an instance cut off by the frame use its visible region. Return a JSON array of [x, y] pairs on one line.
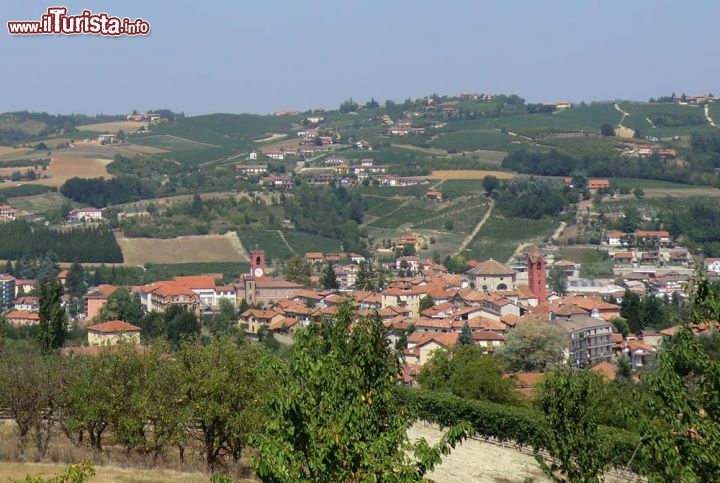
[[470, 174], [115, 126], [64, 167], [106, 474], [624, 132], [8, 152], [186, 249]]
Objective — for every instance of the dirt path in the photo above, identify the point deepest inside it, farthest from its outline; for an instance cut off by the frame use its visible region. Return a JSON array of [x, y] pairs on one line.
[[468, 239], [652, 124], [282, 236], [237, 244], [707, 116], [623, 131]]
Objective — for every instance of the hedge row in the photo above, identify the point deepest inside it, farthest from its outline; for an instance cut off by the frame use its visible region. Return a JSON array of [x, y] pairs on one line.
[[524, 426]]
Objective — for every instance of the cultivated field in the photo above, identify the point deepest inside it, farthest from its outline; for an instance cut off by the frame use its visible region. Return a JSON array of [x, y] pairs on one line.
[[470, 174], [7, 153], [170, 143], [186, 249], [113, 127]]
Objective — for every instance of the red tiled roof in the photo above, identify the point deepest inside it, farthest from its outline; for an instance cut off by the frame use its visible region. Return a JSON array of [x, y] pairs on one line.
[[112, 326]]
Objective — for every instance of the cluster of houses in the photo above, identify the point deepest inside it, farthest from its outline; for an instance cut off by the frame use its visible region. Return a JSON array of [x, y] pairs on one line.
[[147, 117], [646, 248], [641, 151], [694, 100], [423, 306], [8, 213]]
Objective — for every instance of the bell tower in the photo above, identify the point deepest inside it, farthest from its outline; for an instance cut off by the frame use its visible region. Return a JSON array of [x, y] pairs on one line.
[[536, 274], [257, 263]]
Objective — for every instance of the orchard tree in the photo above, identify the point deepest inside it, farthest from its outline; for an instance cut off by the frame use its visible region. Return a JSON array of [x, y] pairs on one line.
[[336, 418], [607, 130], [223, 384], [569, 400], [681, 427], [490, 184]]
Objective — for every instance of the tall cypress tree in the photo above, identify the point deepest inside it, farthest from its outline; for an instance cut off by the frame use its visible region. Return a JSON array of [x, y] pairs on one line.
[[53, 319], [329, 280], [466, 337]]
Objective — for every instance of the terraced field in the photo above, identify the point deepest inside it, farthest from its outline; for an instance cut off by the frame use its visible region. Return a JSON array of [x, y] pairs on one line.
[[405, 215], [459, 218], [270, 241], [302, 242], [500, 236]]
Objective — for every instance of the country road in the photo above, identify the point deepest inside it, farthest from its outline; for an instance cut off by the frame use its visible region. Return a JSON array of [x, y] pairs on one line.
[[621, 130], [477, 228], [707, 115]]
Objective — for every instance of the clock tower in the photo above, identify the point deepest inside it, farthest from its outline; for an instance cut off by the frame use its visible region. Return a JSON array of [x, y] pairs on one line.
[[257, 263]]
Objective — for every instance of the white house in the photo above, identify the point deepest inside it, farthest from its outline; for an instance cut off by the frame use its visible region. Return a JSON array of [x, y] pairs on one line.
[[614, 238], [712, 265], [85, 214]]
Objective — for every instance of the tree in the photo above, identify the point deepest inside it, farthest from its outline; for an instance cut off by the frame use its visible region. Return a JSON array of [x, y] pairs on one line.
[[490, 184], [426, 302], [466, 371], [557, 280], [30, 387], [196, 207], [534, 347], [53, 319], [75, 281], [298, 270], [122, 305], [639, 193], [225, 321], [223, 383], [179, 324], [466, 337], [621, 326], [607, 130], [630, 311], [681, 427], [9, 268], [344, 370], [329, 280], [570, 403]]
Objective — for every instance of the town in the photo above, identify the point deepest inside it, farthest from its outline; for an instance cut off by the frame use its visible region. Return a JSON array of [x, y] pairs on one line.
[[296, 242]]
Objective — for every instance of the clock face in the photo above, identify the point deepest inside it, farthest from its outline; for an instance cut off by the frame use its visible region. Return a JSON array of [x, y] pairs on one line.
[[258, 272]]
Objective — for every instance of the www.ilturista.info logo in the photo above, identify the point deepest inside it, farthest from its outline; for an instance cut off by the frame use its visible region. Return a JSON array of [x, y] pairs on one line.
[[57, 22]]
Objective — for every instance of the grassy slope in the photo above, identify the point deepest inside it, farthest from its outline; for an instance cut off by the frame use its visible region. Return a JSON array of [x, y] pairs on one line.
[[500, 236]]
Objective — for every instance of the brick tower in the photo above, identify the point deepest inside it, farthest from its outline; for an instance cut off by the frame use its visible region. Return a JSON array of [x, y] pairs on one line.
[[257, 263], [536, 274]]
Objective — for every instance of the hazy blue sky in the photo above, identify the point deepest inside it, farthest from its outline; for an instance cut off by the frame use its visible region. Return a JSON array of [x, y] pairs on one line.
[[261, 56]]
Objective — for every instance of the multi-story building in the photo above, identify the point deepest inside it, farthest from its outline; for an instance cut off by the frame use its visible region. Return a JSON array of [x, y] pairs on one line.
[[590, 339], [7, 290]]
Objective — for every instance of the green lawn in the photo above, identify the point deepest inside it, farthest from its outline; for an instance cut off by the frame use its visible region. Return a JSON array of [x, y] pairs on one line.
[[165, 271], [500, 236], [714, 111], [41, 203], [452, 188]]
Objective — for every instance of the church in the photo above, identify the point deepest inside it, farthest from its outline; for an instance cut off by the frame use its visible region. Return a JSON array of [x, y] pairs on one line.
[[257, 288]]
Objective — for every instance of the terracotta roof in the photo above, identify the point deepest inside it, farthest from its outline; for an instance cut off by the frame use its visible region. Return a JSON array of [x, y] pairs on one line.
[[447, 339], [102, 292], [607, 370], [490, 267], [196, 281], [22, 315], [487, 335], [170, 289], [525, 379], [284, 323], [112, 326]]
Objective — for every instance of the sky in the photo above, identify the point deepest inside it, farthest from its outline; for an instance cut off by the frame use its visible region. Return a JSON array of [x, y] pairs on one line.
[[262, 56]]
